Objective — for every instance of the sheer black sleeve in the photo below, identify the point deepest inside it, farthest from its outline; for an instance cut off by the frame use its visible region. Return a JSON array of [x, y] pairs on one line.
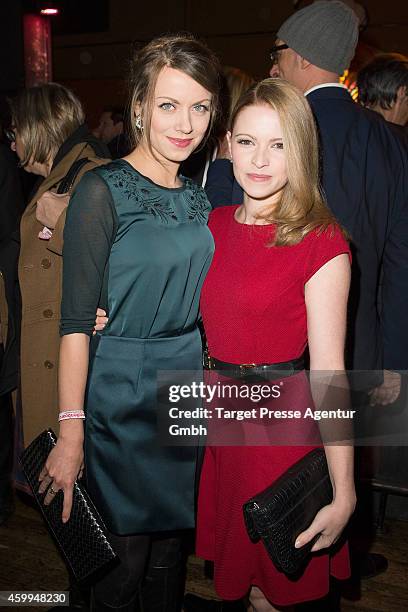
[[89, 232]]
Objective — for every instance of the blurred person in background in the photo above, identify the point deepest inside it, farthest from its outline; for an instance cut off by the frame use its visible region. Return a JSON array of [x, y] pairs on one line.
[[12, 199], [11, 207], [236, 82], [111, 131], [383, 87], [52, 141]]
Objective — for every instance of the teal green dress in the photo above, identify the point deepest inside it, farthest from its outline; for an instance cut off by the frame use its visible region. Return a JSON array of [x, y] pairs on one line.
[[141, 251]]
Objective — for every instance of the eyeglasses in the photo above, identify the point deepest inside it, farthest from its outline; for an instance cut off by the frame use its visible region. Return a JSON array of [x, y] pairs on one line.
[[274, 52], [10, 134]]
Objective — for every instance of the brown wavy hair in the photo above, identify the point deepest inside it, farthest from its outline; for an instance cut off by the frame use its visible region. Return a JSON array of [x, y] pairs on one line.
[[182, 52], [301, 208]]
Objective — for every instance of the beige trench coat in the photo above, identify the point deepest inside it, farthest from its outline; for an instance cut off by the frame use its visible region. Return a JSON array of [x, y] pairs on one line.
[[40, 276]]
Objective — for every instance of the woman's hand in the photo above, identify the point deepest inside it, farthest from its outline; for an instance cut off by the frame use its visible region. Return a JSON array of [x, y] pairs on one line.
[[100, 321], [329, 522], [64, 464]]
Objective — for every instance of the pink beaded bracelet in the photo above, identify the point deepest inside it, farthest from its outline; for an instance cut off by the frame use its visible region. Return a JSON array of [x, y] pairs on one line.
[[71, 414]]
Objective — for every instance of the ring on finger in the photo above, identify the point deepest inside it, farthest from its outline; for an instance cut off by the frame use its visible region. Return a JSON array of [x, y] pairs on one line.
[[52, 490]]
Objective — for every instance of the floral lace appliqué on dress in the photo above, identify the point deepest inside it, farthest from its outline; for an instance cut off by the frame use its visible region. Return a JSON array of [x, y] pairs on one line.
[[198, 207], [136, 187], [158, 201]]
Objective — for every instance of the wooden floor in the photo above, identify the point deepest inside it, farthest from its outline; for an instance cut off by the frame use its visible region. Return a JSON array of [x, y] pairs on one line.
[[29, 561]]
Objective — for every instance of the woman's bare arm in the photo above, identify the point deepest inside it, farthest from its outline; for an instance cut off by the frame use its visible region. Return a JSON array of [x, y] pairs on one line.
[[326, 296], [66, 459]]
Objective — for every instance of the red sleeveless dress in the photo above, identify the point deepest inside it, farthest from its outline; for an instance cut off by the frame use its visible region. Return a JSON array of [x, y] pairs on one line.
[[254, 311]]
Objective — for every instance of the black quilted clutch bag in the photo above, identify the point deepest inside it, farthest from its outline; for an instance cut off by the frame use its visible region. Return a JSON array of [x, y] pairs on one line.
[[281, 512], [82, 539]]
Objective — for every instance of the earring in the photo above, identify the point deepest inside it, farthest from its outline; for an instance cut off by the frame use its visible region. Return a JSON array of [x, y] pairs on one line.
[[139, 123]]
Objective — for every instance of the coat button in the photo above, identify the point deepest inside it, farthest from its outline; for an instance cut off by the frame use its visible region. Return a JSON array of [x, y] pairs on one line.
[[48, 313], [46, 263], [48, 364]]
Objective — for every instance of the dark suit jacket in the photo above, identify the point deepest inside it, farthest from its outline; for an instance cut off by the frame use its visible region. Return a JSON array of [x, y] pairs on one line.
[[11, 195], [11, 207], [365, 179]]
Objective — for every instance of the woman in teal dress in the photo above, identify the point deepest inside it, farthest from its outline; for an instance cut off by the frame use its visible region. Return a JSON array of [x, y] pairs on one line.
[[136, 242]]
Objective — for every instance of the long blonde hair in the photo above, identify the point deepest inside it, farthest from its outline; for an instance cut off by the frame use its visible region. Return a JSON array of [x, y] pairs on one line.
[[301, 207]]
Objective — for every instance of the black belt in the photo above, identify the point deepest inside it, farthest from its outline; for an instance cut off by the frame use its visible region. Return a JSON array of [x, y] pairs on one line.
[[264, 371]]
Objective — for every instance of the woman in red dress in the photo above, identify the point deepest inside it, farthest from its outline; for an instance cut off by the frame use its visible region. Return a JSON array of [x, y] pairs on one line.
[[279, 281]]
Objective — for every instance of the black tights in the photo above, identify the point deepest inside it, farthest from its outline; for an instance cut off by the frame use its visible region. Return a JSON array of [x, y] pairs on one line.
[[150, 577]]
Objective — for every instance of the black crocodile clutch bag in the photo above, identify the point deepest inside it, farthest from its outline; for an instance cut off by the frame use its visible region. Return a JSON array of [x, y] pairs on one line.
[[281, 512], [82, 539]]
